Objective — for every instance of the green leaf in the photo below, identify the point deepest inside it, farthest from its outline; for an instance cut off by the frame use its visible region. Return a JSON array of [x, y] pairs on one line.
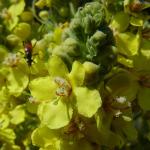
[[17, 114], [43, 88], [120, 21], [55, 115], [77, 74], [88, 101], [17, 81], [143, 98], [128, 43], [56, 67]]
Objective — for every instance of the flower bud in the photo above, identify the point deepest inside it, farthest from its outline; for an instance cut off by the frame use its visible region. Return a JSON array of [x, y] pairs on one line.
[[44, 15], [98, 36], [75, 24], [64, 11], [40, 3], [23, 30], [12, 39], [88, 22], [91, 72], [26, 16], [90, 68]]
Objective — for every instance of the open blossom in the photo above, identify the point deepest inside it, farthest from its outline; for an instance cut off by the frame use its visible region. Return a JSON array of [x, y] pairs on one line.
[[64, 92]]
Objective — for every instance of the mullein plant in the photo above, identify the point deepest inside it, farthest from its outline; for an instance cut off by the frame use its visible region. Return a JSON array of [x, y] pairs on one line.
[[87, 83], [70, 102]]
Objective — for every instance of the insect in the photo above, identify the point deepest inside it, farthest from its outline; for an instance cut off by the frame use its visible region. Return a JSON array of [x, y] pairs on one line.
[[28, 48]]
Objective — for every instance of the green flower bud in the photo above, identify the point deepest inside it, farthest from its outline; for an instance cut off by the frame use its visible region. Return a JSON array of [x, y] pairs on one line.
[[71, 45], [26, 16], [12, 39], [91, 72], [23, 30], [75, 24], [88, 24], [98, 37], [97, 40], [44, 15], [90, 68], [41, 45], [64, 11], [40, 3]]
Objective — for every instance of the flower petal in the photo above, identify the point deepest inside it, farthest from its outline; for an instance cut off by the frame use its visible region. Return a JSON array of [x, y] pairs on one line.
[[56, 67], [43, 136], [43, 88], [17, 81], [55, 115], [88, 101], [77, 74]]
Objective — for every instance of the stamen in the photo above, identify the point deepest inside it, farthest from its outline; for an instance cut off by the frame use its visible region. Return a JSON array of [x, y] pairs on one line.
[[64, 87]]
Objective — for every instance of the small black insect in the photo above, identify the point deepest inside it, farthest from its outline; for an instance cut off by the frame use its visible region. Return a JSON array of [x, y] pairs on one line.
[[28, 48]]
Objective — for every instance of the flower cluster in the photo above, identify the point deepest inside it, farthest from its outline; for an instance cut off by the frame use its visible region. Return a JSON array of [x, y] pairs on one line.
[[74, 74]]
